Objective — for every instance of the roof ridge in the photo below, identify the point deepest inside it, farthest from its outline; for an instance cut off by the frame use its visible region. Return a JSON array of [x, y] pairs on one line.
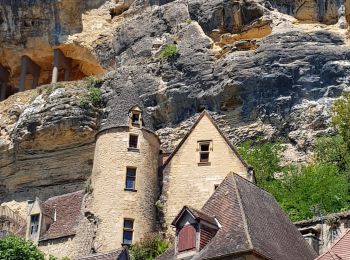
[[254, 184], [243, 214]]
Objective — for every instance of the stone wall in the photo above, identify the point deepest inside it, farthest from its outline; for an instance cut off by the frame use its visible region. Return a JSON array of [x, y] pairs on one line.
[[186, 182], [111, 203]]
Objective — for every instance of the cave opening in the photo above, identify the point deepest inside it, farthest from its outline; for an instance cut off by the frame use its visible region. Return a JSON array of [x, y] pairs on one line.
[[28, 70]]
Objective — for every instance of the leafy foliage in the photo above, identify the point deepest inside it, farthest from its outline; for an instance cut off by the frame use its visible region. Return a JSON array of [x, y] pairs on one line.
[[149, 247], [16, 248], [301, 190], [341, 117], [169, 51], [94, 95]]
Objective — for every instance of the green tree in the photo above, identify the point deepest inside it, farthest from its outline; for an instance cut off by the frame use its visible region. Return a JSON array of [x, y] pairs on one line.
[[298, 189], [264, 157], [313, 186], [341, 117], [333, 150], [16, 248], [149, 247]]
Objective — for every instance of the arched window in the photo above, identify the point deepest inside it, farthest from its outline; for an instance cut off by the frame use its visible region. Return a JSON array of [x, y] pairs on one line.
[[186, 238]]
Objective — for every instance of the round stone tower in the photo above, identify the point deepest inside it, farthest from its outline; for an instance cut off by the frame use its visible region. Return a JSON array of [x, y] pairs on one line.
[[124, 179]]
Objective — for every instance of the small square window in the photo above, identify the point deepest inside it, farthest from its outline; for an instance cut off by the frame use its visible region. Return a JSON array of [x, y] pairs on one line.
[[133, 140], [130, 178], [204, 150], [128, 230]]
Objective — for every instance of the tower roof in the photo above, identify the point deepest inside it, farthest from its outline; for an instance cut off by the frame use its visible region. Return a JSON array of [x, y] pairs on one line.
[[123, 99]]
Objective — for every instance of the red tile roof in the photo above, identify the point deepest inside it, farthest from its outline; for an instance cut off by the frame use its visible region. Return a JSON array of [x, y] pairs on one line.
[[340, 250], [68, 211]]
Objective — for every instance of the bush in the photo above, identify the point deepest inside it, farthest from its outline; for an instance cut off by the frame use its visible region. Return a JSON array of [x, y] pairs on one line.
[[149, 247], [94, 95], [16, 248], [169, 51]]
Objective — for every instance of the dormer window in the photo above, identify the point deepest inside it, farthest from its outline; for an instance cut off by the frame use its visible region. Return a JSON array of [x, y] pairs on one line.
[[34, 225], [194, 230], [135, 116], [135, 119]]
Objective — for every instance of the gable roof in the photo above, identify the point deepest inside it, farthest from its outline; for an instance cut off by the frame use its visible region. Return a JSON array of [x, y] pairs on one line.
[[68, 211], [340, 250], [251, 222], [197, 214], [121, 253], [205, 113]]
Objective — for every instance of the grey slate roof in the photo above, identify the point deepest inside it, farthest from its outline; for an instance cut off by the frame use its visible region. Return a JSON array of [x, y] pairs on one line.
[[251, 222], [122, 99], [118, 254]]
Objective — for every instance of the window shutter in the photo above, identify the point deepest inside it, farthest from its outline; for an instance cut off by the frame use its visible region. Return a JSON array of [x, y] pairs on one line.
[[187, 238]]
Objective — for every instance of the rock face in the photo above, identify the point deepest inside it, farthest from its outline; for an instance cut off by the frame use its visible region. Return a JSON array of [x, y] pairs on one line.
[[263, 71], [47, 142]]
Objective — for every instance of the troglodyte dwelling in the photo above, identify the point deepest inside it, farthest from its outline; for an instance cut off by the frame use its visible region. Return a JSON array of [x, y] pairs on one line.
[[132, 193]]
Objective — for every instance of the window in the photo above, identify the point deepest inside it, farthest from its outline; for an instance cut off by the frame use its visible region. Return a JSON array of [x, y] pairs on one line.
[[128, 231], [133, 139], [204, 152], [186, 238], [135, 118], [130, 179], [216, 186], [34, 224]]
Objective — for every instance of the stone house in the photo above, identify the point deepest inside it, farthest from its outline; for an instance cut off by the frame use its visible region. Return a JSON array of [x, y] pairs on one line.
[[239, 221], [128, 170], [57, 225]]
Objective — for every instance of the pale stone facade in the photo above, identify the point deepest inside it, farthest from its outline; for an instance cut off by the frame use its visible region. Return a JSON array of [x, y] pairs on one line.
[[111, 202], [186, 181]]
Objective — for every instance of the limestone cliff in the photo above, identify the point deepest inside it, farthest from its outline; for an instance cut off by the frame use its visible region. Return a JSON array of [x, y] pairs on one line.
[[269, 69]]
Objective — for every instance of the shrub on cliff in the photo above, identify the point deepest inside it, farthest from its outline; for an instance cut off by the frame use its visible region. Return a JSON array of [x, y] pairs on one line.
[[16, 248], [169, 51], [94, 93], [149, 247]]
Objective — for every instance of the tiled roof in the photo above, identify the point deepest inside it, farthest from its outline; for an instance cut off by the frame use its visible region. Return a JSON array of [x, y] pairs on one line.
[[68, 211], [121, 253], [340, 250], [198, 214], [251, 221]]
